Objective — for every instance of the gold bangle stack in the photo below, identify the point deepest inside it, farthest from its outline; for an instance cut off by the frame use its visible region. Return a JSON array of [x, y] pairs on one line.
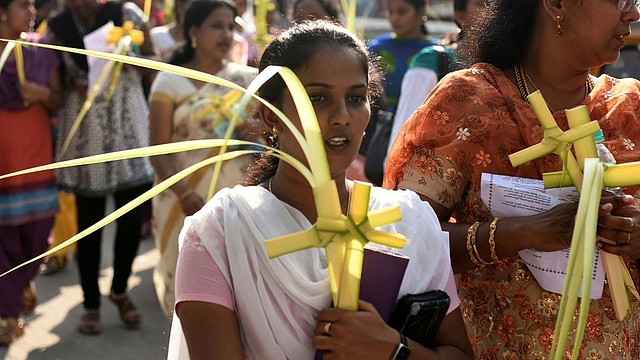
[[492, 240], [472, 233], [471, 243]]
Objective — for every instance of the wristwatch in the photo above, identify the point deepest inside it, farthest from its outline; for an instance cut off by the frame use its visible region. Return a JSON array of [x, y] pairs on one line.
[[402, 351]]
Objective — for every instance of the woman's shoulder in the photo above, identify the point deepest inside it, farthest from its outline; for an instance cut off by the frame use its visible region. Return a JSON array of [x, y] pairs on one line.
[[480, 74], [214, 208], [223, 195], [240, 68], [477, 83], [167, 80], [45, 58], [619, 85], [232, 199], [238, 73]]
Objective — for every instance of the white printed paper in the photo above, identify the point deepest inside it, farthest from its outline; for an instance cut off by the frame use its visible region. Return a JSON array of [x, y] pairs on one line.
[[97, 41], [509, 196]]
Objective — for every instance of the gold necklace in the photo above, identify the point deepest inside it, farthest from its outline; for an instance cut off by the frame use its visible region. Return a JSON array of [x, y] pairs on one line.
[[524, 88], [269, 184], [522, 84]]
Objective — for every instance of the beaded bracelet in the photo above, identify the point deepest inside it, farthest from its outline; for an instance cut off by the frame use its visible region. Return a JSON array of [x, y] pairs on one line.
[[492, 240], [471, 242], [185, 194]]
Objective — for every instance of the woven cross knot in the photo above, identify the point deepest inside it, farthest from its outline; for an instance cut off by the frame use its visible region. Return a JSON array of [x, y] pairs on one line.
[[344, 238], [117, 33], [359, 225], [556, 141], [217, 107]]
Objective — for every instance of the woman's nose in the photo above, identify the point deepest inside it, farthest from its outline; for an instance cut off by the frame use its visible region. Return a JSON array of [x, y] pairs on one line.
[[634, 13], [340, 114]]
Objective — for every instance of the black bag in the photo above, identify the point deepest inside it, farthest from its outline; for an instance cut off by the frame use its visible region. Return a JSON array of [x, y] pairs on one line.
[[376, 150], [418, 316]]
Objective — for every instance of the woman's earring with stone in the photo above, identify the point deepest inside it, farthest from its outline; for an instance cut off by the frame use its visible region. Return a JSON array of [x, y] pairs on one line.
[[558, 27], [194, 43], [3, 17]]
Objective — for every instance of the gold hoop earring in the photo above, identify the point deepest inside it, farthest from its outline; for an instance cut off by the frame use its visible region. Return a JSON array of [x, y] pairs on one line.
[[194, 43], [558, 27]]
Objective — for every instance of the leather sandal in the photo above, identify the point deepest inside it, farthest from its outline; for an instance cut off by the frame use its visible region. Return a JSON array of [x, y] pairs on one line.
[[29, 299], [52, 265], [129, 313], [10, 329], [90, 322]]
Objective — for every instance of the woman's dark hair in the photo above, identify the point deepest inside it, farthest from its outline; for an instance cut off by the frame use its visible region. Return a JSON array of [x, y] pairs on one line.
[[5, 3], [195, 15], [460, 5], [502, 35], [331, 7], [294, 49]]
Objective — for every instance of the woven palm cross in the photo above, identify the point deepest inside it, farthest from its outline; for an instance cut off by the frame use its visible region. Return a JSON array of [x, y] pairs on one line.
[[344, 238]]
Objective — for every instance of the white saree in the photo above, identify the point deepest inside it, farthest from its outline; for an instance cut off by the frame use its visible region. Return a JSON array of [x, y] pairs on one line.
[[276, 301]]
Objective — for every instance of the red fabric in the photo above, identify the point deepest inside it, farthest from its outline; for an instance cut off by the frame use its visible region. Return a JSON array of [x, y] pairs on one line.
[[25, 142]]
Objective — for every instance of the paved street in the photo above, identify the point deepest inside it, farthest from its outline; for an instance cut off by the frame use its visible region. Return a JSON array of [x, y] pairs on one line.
[[51, 332]]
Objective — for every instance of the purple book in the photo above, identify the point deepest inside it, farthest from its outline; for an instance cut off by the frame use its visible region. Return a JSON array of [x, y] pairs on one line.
[[382, 274]]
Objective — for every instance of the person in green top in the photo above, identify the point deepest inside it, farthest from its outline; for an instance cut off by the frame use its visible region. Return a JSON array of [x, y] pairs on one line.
[[395, 49], [431, 63]]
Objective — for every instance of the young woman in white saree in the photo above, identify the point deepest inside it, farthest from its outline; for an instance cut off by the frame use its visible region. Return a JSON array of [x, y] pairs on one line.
[[233, 302], [182, 109]]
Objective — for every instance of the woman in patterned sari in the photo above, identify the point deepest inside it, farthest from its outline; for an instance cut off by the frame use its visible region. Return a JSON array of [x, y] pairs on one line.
[[182, 109], [113, 123], [475, 118]]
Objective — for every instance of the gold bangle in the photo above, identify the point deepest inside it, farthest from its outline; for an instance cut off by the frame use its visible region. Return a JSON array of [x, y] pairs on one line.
[[185, 194], [475, 249], [471, 238], [492, 240]]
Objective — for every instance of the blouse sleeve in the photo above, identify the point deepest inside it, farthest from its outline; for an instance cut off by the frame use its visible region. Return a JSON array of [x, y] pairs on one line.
[[163, 90], [446, 184], [198, 277]]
